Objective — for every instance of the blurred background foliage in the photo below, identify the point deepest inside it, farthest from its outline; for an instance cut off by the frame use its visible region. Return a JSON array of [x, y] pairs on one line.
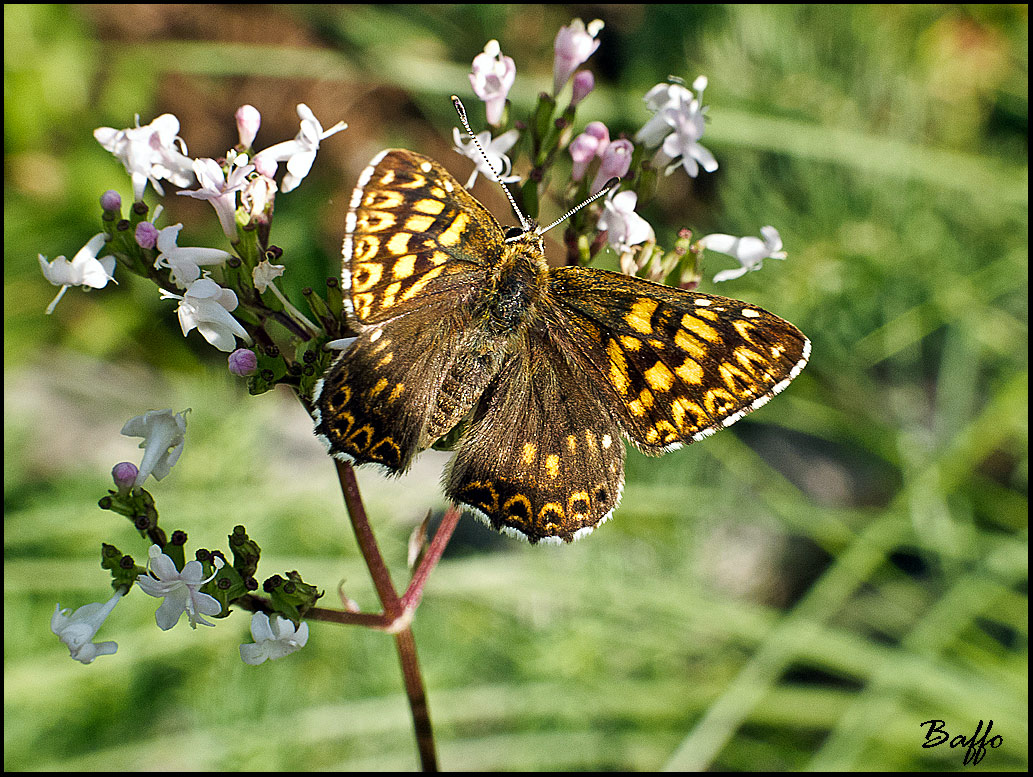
[[799, 592]]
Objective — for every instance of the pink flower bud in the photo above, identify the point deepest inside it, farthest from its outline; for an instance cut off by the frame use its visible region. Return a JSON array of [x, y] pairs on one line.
[[248, 122], [124, 474], [146, 234], [243, 362], [615, 164], [111, 201], [584, 83]]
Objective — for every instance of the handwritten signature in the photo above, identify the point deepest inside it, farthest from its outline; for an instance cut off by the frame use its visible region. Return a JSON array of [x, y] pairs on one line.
[[975, 748]]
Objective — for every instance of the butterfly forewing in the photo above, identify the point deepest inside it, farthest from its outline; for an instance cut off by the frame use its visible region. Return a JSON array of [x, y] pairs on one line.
[[413, 235], [675, 365]]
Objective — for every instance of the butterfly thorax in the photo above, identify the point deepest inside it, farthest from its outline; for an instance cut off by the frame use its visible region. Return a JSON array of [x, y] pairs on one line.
[[515, 288]]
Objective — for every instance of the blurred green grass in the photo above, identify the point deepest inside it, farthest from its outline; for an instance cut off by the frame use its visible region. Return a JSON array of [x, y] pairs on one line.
[[799, 592]]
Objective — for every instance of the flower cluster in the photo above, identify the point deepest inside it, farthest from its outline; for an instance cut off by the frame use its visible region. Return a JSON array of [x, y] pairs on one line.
[[230, 296], [668, 141]]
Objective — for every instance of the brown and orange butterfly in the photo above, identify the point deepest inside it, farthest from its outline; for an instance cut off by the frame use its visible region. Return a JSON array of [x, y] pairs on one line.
[[464, 326]]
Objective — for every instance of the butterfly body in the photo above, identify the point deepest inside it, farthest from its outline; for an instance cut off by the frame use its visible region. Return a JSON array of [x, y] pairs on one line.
[[461, 322]]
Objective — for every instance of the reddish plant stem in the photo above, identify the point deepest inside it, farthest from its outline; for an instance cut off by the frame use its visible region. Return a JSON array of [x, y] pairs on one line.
[[417, 699], [367, 542], [395, 614], [412, 596]]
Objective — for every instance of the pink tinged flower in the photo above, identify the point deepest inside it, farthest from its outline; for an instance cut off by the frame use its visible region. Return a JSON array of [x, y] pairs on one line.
[[684, 143], [624, 228], [677, 126], [181, 590], [85, 269], [220, 190], [242, 362], [77, 629], [300, 153], [163, 434], [616, 160], [660, 99], [492, 78], [248, 121], [495, 150], [586, 146], [584, 83], [574, 45], [749, 251], [150, 153], [274, 638], [206, 306], [184, 263]]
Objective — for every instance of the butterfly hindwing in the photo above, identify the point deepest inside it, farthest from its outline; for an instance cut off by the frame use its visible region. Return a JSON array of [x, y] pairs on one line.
[[543, 459]]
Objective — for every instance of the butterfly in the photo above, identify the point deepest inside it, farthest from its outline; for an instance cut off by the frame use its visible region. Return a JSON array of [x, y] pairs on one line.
[[463, 328]]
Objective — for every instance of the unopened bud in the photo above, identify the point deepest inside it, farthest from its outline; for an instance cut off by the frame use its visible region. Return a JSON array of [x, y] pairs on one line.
[[243, 362], [124, 474], [584, 83], [111, 201], [146, 234], [248, 122]]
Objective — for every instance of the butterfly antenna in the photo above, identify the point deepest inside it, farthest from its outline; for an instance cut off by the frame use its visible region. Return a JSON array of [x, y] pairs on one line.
[[524, 222], [610, 186]]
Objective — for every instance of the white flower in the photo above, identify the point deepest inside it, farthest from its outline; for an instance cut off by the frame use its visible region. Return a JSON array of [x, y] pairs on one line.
[[492, 78], [498, 165], [185, 263], [300, 153], [273, 640], [624, 228], [85, 269], [163, 432], [574, 44], [77, 629], [264, 274], [684, 143], [206, 306], [180, 590], [750, 252], [677, 126], [149, 153], [221, 191]]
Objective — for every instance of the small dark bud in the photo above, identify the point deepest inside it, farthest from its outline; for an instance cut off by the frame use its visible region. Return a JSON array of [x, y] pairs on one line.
[[179, 537]]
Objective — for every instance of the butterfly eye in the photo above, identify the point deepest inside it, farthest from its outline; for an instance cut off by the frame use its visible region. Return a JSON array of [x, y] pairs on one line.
[[514, 232]]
